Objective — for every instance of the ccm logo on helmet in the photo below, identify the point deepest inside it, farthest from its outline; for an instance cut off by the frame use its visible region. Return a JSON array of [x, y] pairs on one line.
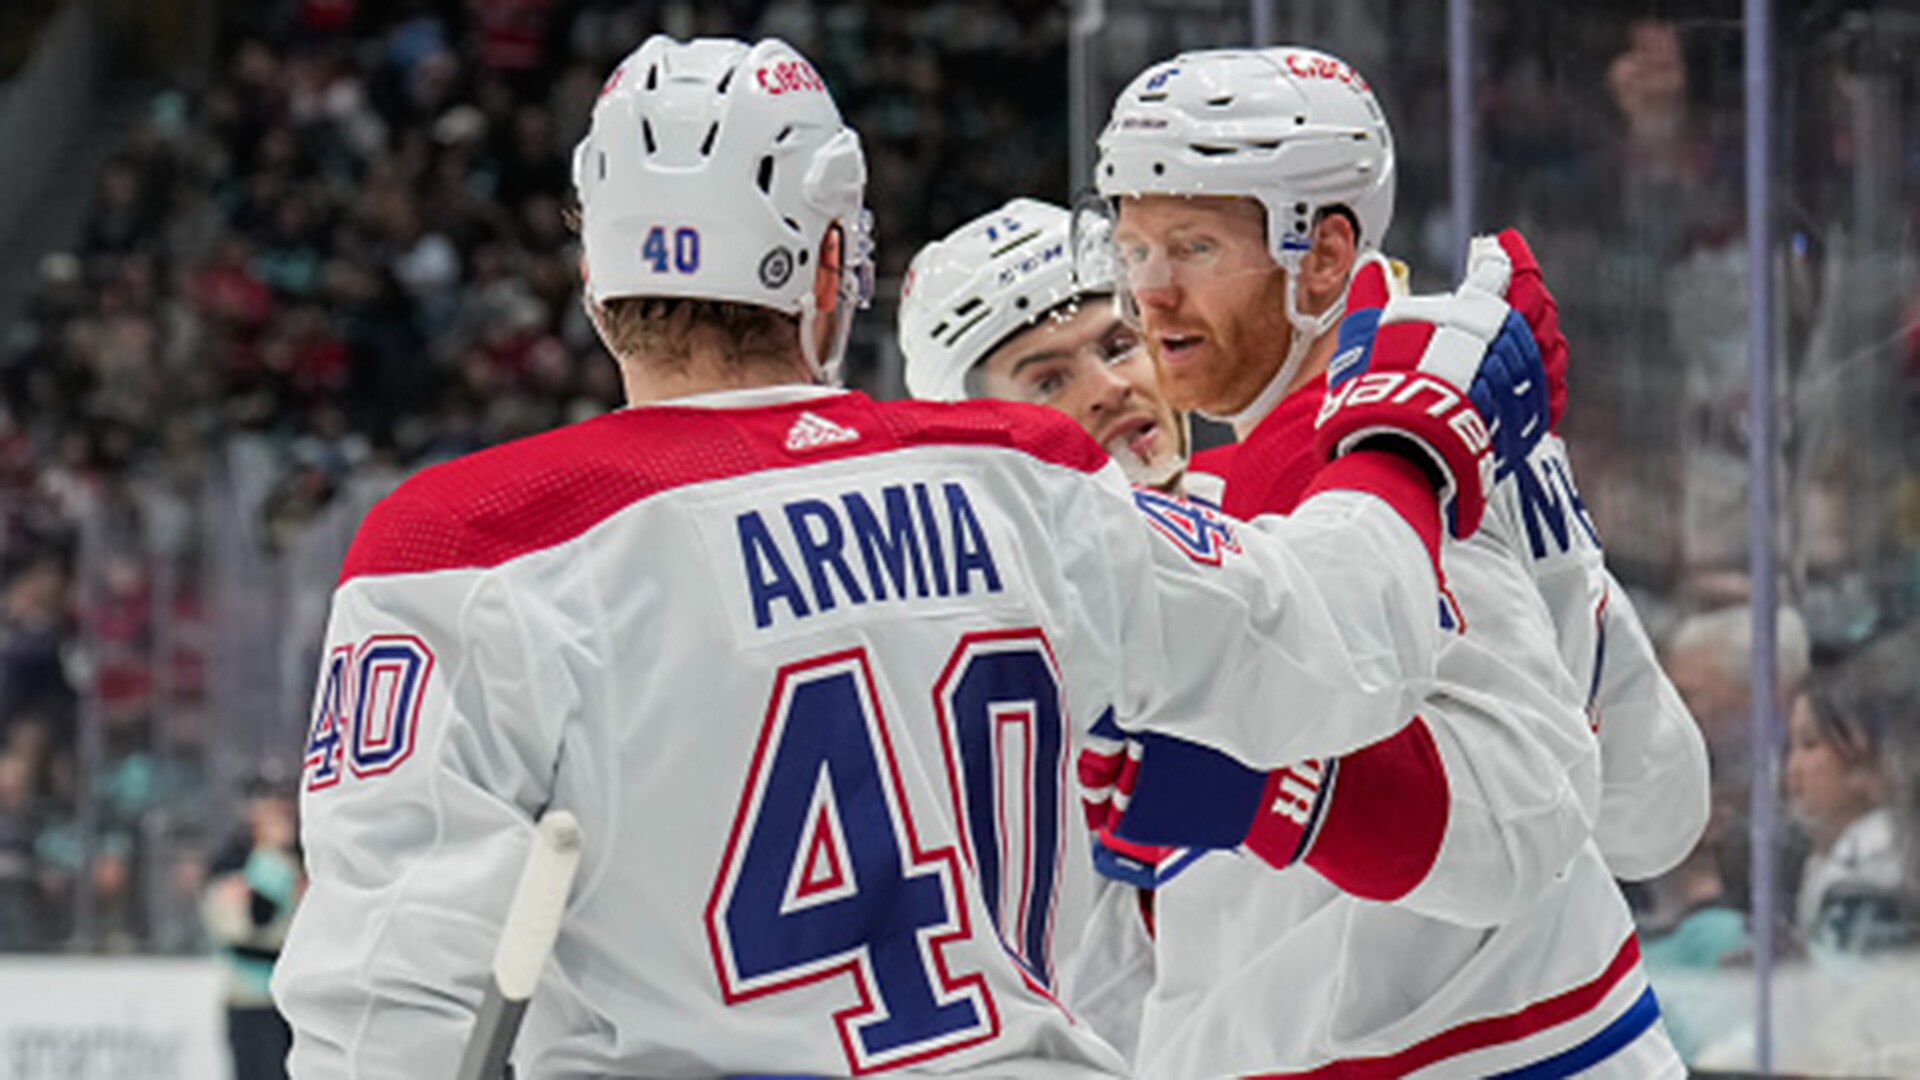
[[789, 76], [1324, 67], [1032, 262]]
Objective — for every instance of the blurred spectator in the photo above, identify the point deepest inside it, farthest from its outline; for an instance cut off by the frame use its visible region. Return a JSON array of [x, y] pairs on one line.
[[1709, 657], [22, 919], [1852, 888], [34, 627], [251, 893], [1698, 917]]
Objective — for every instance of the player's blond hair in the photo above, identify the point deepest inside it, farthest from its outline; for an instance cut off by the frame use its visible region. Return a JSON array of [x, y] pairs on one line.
[[663, 331]]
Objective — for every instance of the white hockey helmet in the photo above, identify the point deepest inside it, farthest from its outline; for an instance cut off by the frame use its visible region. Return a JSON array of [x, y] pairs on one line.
[[712, 170], [1297, 130], [987, 280]]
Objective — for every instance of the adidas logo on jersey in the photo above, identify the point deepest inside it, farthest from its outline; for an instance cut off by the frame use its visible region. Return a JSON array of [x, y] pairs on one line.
[[812, 431]]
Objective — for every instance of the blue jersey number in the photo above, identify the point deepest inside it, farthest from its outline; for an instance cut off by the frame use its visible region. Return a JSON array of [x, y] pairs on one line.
[[367, 711], [824, 877], [1004, 731]]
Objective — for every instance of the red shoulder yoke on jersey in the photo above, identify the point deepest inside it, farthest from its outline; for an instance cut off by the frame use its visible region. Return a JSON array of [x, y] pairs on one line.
[[499, 504]]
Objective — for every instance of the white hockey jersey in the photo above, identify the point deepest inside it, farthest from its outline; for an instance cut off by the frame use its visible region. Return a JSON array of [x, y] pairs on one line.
[[1655, 796], [1514, 952], [811, 672]]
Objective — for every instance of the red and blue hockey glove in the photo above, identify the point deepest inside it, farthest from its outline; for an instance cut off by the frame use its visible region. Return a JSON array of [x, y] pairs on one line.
[[1107, 768], [1456, 379], [1504, 265], [1150, 795]]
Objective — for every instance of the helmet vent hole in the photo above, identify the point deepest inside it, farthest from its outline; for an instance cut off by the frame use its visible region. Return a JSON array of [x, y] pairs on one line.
[[803, 256], [1161, 96], [766, 175], [653, 76], [784, 133], [1300, 121], [961, 330], [725, 81], [1211, 151], [1021, 303], [646, 133], [791, 224], [968, 307], [1220, 102], [706, 144], [1159, 169], [602, 156]]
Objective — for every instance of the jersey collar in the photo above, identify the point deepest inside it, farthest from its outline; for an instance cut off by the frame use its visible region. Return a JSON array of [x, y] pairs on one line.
[[750, 398]]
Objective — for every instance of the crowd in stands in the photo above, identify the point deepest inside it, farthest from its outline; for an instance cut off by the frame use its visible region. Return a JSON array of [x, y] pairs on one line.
[[345, 252]]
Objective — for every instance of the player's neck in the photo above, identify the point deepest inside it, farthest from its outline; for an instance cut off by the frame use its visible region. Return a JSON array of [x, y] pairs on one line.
[[1319, 355], [706, 372]]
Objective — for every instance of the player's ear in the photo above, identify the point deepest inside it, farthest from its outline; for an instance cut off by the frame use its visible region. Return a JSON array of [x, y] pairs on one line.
[[826, 273], [1328, 263]]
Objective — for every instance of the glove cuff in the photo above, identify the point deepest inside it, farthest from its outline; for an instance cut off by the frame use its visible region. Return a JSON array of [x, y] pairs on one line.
[[1425, 410], [1291, 809]]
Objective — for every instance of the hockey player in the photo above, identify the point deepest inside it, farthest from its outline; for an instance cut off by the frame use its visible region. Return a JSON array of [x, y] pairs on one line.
[[996, 310], [811, 670], [1252, 189], [1000, 309]]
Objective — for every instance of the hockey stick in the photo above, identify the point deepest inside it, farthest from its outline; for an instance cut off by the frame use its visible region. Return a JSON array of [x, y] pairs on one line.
[[526, 940]]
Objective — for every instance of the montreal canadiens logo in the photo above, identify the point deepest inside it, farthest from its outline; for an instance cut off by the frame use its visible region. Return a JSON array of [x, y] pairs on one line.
[[776, 267]]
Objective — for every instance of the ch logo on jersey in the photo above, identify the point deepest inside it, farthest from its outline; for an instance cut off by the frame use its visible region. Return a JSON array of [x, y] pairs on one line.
[[1203, 534]]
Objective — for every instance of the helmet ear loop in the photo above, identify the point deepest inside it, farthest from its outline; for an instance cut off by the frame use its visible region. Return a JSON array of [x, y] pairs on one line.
[[853, 290]]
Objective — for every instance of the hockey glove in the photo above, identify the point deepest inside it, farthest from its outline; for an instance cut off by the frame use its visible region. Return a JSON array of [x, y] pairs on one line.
[[1109, 760], [1451, 376], [1157, 794], [1504, 265]]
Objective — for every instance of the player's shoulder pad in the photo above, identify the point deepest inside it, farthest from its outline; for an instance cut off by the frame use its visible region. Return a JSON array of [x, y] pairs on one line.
[[1046, 434]]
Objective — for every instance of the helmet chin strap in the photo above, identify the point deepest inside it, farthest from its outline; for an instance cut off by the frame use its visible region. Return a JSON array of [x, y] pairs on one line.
[[824, 369], [1307, 329], [809, 344]]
